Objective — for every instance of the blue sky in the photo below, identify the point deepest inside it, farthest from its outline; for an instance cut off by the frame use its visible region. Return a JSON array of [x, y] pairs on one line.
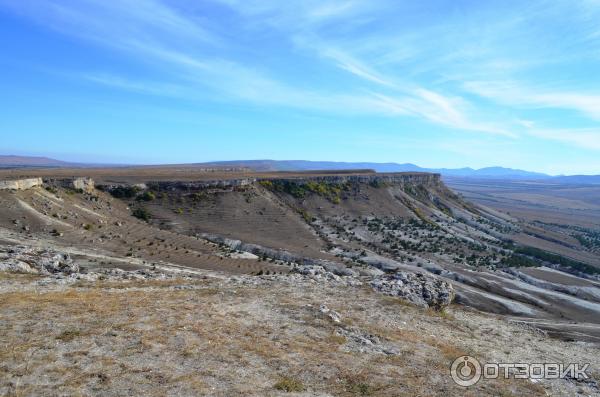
[[436, 83]]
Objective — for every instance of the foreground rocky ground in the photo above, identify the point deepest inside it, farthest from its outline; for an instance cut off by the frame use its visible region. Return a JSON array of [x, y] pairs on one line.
[[312, 334]]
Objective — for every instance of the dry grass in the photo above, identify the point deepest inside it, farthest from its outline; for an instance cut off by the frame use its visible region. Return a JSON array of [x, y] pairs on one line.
[[289, 385], [334, 339], [359, 384], [69, 334], [22, 277], [153, 340], [141, 283]]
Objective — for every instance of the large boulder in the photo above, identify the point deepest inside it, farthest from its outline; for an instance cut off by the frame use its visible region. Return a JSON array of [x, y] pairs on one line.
[[422, 290], [85, 184], [22, 259], [321, 274], [58, 263]]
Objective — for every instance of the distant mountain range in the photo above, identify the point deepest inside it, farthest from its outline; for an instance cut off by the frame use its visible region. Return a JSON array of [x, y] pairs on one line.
[[44, 162], [27, 161], [304, 165]]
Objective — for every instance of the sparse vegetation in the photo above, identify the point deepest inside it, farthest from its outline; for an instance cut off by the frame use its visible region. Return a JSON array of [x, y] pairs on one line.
[[357, 386], [124, 192], [300, 189], [541, 255], [146, 196], [69, 335], [142, 213], [198, 196], [271, 328], [289, 385]]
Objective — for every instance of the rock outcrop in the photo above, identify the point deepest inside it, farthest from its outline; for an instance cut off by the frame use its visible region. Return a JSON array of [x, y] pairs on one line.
[[23, 259], [200, 185], [20, 184], [81, 183], [398, 178], [417, 288], [85, 184], [310, 264]]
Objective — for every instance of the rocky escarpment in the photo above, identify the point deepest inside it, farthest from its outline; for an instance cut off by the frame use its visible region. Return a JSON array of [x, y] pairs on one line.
[[416, 178], [83, 184], [278, 254], [419, 289], [401, 178], [20, 184]]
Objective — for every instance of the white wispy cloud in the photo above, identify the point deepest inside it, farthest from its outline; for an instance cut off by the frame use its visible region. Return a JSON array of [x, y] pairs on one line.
[[514, 94], [341, 58], [147, 30], [403, 97], [113, 22], [586, 138], [428, 73], [305, 14], [441, 110], [139, 86]]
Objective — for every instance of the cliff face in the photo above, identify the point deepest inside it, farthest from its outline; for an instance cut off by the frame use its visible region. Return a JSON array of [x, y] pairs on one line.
[[402, 178], [87, 184], [20, 184], [84, 184], [199, 185], [414, 178]]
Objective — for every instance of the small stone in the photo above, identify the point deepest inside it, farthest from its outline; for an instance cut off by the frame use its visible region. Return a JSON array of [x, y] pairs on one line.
[[332, 314]]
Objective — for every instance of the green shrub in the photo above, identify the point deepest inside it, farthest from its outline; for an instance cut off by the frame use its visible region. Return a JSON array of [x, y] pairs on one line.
[[199, 196], [146, 196], [540, 255], [142, 213], [289, 385], [331, 191], [266, 184], [358, 385], [69, 335], [124, 191], [378, 183]]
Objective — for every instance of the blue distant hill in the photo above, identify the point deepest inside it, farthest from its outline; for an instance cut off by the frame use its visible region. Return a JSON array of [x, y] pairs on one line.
[[305, 165]]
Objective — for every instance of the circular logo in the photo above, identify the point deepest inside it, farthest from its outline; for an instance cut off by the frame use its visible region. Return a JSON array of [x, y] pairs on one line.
[[465, 371]]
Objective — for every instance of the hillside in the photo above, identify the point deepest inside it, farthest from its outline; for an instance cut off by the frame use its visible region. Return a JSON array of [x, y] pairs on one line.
[[29, 161], [358, 221], [277, 271]]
